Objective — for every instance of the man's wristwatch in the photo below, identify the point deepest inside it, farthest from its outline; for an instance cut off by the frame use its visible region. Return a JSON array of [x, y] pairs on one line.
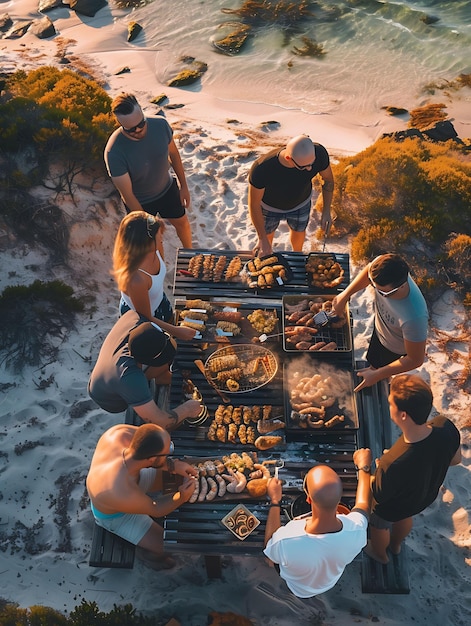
[[365, 468]]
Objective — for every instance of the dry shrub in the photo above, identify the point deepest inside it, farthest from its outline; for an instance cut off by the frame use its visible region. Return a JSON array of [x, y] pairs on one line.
[[423, 117]]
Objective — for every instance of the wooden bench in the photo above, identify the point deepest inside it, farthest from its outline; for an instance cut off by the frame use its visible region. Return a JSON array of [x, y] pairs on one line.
[[376, 434], [109, 550]]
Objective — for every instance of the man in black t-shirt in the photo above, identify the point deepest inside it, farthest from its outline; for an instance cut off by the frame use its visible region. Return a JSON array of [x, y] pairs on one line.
[[280, 187], [409, 475]]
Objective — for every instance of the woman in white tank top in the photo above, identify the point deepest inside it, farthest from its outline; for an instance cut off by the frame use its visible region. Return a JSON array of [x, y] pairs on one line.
[[139, 270]]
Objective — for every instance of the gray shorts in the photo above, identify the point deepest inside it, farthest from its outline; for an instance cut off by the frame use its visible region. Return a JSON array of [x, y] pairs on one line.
[[378, 522], [131, 526]]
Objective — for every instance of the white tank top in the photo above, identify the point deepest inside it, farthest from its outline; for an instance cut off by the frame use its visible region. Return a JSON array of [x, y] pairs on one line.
[[156, 291]]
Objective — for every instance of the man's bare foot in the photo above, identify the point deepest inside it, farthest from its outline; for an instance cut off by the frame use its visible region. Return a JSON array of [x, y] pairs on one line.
[[372, 554]]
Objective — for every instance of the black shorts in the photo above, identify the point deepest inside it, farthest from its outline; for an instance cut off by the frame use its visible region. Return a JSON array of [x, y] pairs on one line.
[[377, 355], [168, 206]]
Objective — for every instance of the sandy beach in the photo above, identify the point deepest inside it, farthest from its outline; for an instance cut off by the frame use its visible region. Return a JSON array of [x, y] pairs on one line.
[[49, 426]]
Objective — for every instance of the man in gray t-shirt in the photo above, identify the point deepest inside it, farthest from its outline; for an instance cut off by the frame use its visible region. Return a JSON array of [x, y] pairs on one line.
[[400, 328], [137, 156], [120, 378]]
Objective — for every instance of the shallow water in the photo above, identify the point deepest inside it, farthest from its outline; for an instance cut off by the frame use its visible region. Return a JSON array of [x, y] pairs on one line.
[[377, 53]]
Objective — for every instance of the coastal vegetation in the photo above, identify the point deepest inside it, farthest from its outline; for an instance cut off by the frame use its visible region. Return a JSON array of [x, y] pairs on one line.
[[413, 197], [53, 125], [88, 614], [85, 614], [36, 319]]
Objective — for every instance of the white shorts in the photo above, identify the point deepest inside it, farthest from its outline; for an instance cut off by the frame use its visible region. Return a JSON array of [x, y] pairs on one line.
[[130, 526]]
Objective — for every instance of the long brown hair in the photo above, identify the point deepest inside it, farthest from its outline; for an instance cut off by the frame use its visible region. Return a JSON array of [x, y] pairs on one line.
[[135, 239]]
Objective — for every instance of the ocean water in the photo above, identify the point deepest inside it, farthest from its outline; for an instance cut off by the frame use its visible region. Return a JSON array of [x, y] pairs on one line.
[[377, 52]]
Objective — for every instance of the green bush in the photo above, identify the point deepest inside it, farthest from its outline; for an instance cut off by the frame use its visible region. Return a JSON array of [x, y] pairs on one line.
[[59, 118], [35, 320], [409, 198], [86, 614]]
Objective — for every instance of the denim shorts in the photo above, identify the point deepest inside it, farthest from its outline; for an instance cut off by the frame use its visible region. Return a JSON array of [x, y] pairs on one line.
[[297, 220]]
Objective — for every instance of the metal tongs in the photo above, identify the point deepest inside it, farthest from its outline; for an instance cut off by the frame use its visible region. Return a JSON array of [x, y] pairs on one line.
[[278, 465], [326, 234], [264, 337], [324, 317]]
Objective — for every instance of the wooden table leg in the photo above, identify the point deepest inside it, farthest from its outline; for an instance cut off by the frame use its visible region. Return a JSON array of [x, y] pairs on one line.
[[213, 565]]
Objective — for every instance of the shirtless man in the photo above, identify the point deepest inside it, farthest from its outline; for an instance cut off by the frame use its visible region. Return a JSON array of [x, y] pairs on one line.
[[280, 188], [125, 468]]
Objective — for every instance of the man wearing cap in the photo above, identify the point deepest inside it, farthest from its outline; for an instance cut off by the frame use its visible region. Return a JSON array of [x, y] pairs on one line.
[[280, 188], [409, 475], [134, 352], [311, 551], [400, 329], [126, 467]]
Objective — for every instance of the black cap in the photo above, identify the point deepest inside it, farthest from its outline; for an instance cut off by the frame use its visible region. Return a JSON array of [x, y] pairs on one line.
[[150, 345]]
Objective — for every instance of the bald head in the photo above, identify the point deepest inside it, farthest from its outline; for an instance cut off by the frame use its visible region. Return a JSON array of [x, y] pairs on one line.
[[324, 487], [301, 149]]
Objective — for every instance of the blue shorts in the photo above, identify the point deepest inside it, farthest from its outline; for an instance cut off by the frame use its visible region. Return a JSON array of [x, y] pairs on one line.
[[129, 526], [297, 220]]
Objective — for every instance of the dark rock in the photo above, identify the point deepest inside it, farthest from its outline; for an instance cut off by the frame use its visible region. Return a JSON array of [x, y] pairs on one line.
[[133, 30], [400, 135], [438, 131], [429, 19], [19, 30], [122, 70], [48, 5], [233, 43], [441, 131], [174, 106], [185, 77], [87, 7], [64, 61], [189, 76], [43, 28], [5, 22], [159, 99], [395, 110]]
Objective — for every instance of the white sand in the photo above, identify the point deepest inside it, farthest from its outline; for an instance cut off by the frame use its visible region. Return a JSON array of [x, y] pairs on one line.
[[213, 154]]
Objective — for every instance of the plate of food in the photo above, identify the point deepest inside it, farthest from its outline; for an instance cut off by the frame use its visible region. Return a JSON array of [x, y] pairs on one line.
[[241, 368], [267, 272], [240, 521], [324, 271]]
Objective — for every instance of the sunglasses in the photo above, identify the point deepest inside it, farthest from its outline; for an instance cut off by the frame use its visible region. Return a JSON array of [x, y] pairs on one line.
[[141, 124], [302, 167], [170, 452], [385, 294]]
